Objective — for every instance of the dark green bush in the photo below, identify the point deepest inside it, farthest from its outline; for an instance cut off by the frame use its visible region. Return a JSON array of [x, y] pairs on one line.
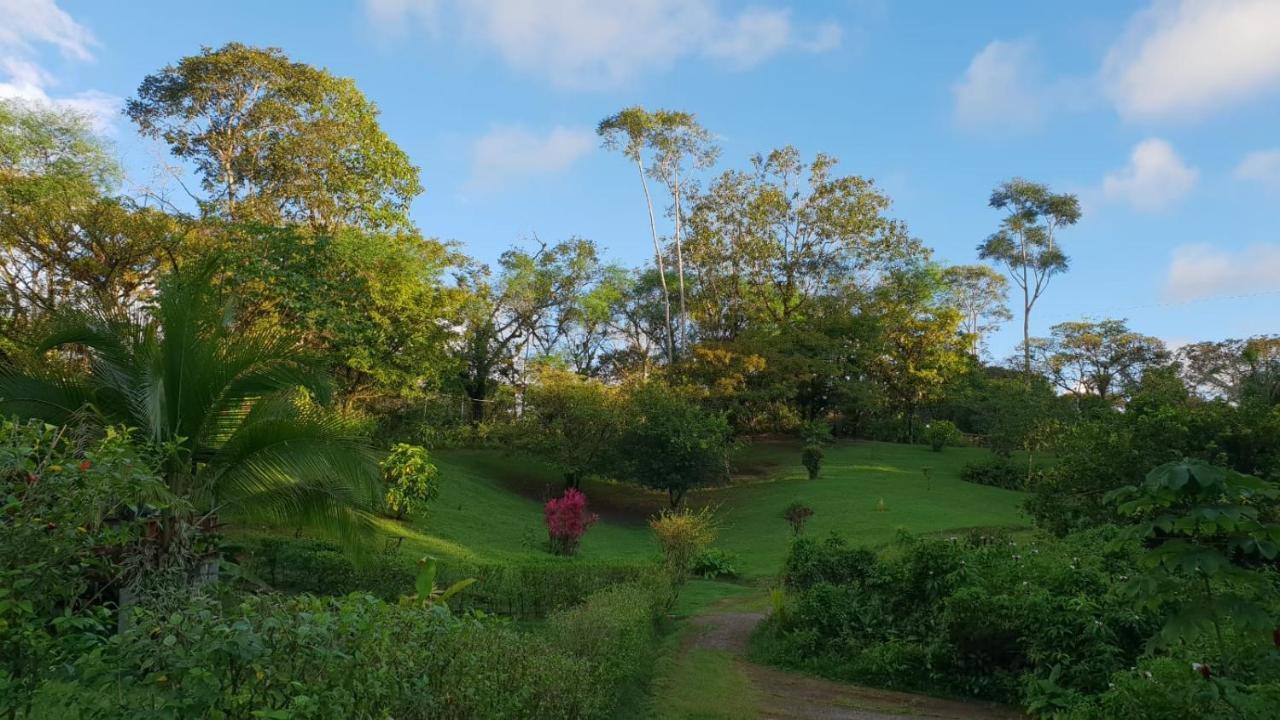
[[520, 589], [811, 458], [960, 616], [941, 433], [997, 472], [714, 563], [307, 657]]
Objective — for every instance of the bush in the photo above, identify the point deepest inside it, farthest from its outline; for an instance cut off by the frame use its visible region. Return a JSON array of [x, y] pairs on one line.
[[525, 590], [682, 535], [796, 515], [307, 657], [811, 456], [714, 563], [997, 472], [949, 616], [567, 521], [941, 433], [411, 480]]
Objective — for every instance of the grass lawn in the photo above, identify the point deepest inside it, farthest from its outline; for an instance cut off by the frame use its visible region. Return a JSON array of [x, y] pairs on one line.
[[490, 503]]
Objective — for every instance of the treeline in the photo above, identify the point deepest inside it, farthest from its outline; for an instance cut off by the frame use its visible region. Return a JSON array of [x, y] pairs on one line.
[[779, 293]]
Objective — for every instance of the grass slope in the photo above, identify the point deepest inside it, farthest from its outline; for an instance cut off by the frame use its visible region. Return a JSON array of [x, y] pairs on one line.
[[490, 503]]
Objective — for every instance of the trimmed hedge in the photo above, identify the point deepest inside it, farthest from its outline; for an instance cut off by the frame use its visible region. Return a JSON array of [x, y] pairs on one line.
[[524, 590]]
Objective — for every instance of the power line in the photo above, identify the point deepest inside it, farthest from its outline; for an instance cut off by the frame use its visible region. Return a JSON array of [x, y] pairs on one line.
[[1181, 303]]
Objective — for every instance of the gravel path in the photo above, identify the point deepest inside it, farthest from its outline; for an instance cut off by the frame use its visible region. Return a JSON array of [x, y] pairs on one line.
[[791, 696]]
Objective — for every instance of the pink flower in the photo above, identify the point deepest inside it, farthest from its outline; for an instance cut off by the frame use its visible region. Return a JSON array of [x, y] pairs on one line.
[[567, 520]]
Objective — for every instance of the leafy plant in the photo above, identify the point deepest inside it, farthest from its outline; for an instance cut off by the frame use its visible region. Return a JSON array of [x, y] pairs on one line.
[[410, 478], [714, 563], [811, 457], [1208, 537], [797, 514], [567, 520], [941, 433], [681, 536], [426, 594]]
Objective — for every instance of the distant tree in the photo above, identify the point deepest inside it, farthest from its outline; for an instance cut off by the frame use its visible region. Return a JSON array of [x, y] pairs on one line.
[[274, 140], [919, 351], [671, 443], [1026, 243], [410, 478], [982, 297], [574, 422], [66, 239], [1100, 358], [1234, 369], [375, 306], [676, 144], [766, 244], [506, 316]]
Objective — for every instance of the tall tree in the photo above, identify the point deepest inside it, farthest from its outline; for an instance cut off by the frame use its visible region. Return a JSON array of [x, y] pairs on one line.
[[1234, 369], [66, 239], [766, 244], [1026, 243], [1100, 358], [676, 145], [982, 297], [277, 141]]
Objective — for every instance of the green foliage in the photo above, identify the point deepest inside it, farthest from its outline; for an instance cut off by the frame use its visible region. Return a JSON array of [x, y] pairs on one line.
[[714, 563], [426, 593], [797, 514], [73, 520], [811, 457], [373, 306], [1212, 541], [671, 444], [977, 616], [997, 472], [682, 535], [575, 423], [305, 657], [410, 478], [941, 433], [275, 141]]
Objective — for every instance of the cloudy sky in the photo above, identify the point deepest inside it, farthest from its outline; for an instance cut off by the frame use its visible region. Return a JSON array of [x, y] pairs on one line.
[[1164, 116]]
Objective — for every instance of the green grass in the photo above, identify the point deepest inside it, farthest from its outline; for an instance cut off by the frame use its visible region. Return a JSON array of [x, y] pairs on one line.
[[490, 505]]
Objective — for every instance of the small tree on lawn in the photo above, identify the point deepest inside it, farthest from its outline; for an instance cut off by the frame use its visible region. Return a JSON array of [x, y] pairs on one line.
[[411, 479], [567, 520], [796, 515], [811, 456], [673, 444]]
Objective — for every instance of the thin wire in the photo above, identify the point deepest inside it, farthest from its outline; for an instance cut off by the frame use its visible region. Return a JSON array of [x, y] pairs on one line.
[[1180, 303]]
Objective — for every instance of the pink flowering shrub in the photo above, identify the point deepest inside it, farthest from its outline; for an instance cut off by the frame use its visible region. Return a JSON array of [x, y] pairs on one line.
[[567, 521]]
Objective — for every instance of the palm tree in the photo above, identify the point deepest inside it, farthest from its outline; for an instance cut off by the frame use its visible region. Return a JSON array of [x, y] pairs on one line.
[[237, 417]]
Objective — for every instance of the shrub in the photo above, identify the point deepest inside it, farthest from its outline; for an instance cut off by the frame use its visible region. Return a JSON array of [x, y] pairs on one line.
[[672, 444], [997, 472], [410, 478], [615, 630], [681, 535], [307, 657], [811, 457], [713, 563], [567, 521], [941, 433], [796, 515]]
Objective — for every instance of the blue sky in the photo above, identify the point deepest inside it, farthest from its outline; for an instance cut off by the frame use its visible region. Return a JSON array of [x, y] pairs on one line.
[[1163, 116]]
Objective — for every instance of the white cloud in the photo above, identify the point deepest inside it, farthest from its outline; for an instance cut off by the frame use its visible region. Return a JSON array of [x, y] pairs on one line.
[[1182, 58], [1154, 179], [1262, 166], [1000, 89], [605, 43], [507, 154], [29, 24], [1201, 271]]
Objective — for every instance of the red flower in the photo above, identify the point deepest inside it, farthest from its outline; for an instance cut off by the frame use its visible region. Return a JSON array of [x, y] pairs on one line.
[[51, 526], [85, 465]]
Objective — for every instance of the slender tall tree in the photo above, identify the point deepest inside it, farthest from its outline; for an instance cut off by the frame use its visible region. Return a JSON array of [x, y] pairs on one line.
[[676, 145], [1026, 243]]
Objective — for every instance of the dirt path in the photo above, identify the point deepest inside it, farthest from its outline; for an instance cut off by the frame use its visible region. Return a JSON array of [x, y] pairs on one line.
[[792, 696]]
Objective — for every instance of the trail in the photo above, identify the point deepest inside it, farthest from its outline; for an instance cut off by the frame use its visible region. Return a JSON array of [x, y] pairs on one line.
[[785, 695]]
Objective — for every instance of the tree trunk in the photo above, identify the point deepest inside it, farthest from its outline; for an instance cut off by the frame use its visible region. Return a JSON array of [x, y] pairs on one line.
[[657, 256]]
